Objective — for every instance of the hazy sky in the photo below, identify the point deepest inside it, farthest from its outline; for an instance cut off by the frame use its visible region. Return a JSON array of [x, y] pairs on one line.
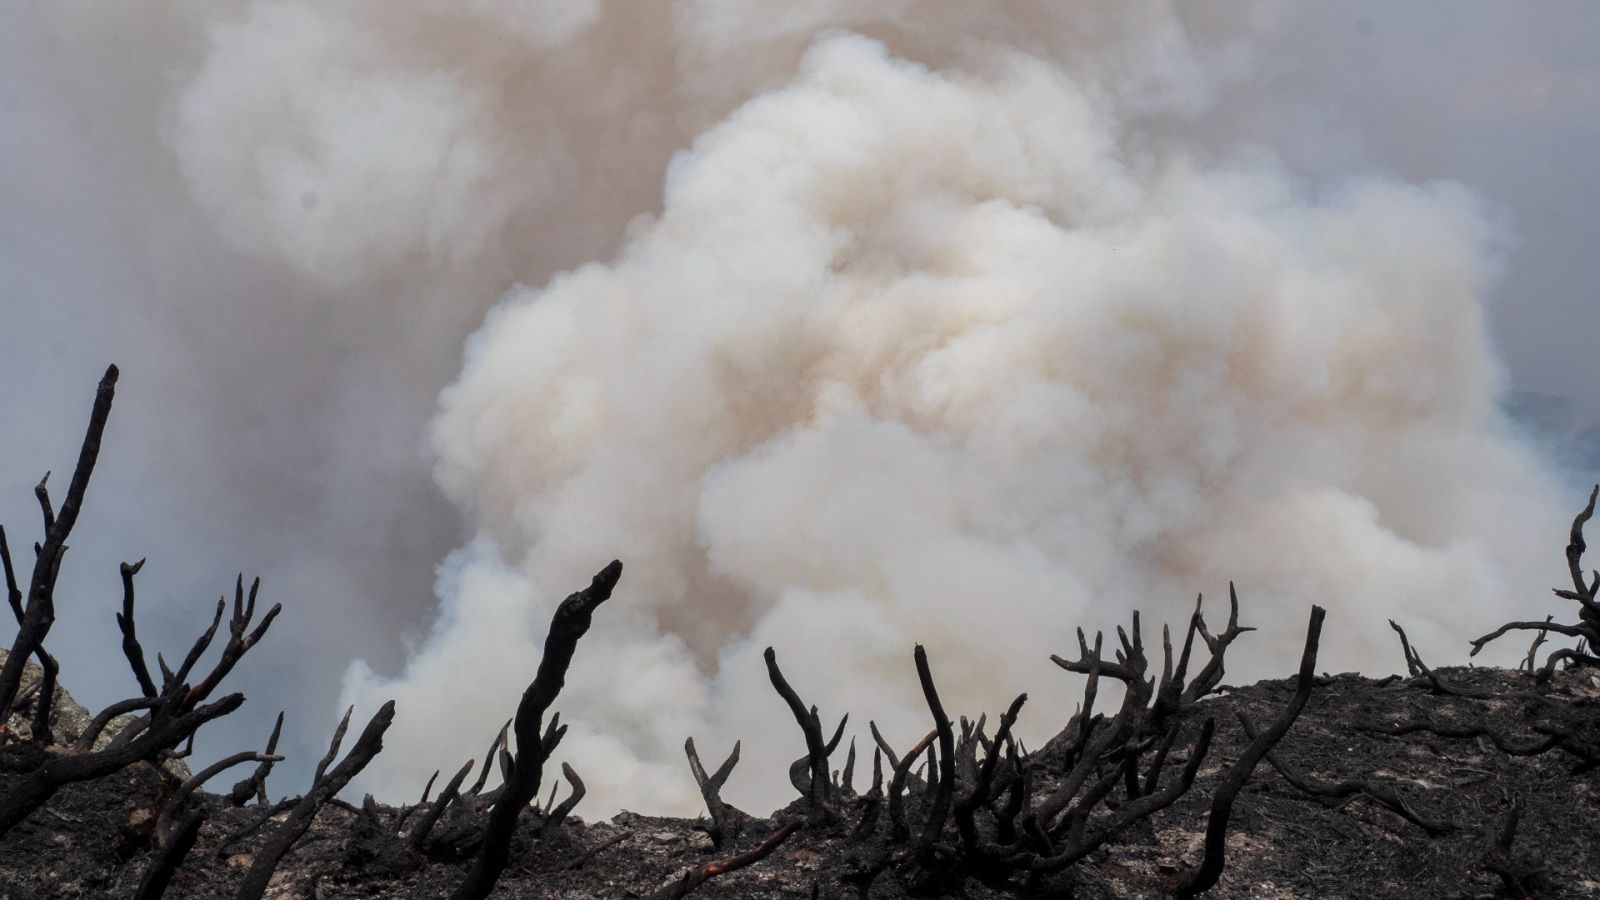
[[272, 415]]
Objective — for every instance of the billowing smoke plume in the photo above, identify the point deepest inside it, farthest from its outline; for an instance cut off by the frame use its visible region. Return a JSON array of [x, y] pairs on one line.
[[969, 355], [847, 326]]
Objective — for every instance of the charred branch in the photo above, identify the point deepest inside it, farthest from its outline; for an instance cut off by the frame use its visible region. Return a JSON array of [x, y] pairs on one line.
[[554, 817], [1383, 794], [1419, 669], [38, 614], [45, 699], [1205, 877], [263, 816], [888, 751], [1541, 627], [1499, 859], [173, 716], [165, 829], [325, 783], [1576, 546], [256, 785], [693, 878], [1554, 738], [898, 832], [1586, 593], [980, 793], [1565, 654], [13, 591], [940, 808], [451, 791], [240, 637], [130, 638], [570, 623], [873, 800], [171, 855], [1082, 845], [41, 693], [1529, 663], [168, 730], [1211, 674], [726, 821], [819, 789], [496, 746]]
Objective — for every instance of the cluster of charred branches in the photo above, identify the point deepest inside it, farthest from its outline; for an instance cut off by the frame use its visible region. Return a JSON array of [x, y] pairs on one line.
[[963, 803], [174, 702], [1585, 592], [168, 714], [1549, 733]]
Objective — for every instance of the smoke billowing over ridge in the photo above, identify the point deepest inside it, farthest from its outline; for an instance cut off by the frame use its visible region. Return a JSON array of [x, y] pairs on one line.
[[969, 356], [874, 324]]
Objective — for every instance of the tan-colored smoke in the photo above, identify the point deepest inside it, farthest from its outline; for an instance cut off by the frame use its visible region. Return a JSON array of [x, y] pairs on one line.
[[939, 335]]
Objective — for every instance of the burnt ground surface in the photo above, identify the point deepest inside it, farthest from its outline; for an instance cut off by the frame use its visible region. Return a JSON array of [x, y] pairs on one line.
[[93, 840]]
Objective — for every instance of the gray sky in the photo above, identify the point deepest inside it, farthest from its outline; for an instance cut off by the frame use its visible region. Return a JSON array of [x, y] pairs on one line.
[[261, 428], [1503, 97]]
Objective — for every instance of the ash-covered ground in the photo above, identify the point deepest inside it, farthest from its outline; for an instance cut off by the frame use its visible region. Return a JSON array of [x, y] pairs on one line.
[[94, 839]]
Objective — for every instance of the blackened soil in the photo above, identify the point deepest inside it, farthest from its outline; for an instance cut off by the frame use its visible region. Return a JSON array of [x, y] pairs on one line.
[[93, 840]]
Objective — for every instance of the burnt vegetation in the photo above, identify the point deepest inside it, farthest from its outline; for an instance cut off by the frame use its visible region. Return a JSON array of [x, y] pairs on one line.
[[1462, 782]]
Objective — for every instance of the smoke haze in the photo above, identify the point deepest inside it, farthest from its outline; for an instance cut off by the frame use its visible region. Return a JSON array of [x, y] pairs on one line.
[[845, 329]]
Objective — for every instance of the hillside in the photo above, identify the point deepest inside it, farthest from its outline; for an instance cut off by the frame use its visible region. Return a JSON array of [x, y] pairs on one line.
[[1165, 782], [93, 840]]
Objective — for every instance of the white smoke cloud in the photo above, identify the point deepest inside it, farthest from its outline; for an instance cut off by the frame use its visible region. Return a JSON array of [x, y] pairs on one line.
[[966, 352]]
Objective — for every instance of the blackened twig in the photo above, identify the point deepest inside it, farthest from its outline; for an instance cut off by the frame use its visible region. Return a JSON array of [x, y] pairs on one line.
[[256, 785], [130, 638], [1529, 663]]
